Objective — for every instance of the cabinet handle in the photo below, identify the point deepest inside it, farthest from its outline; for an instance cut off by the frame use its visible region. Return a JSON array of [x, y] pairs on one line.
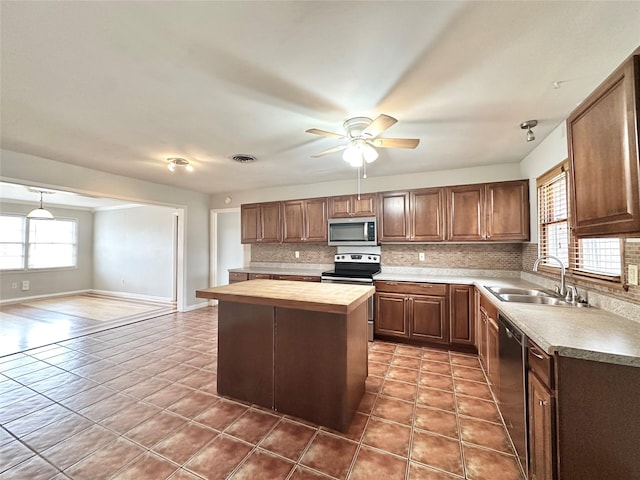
[[537, 355], [426, 285], [391, 283], [542, 403]]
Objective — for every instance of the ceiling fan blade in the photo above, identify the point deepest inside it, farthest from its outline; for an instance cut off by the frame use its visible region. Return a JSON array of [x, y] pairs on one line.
[[395, 142], [324, 133], [379, 125], [331, 150]]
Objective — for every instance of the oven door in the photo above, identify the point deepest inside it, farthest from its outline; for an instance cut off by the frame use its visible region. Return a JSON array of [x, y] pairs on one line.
[[356, 281]]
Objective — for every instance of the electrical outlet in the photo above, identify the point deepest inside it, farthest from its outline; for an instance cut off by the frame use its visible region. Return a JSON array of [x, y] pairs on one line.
[[421, 256], [14, 285], [297, 254], [25, 285], [633, 274]]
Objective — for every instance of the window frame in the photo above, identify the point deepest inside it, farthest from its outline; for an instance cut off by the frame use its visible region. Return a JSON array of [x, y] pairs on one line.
[[573, 243], [26, 242]]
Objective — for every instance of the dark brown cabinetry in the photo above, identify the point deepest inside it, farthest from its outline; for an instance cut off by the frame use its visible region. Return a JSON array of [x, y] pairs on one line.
[[412, 310], [488, 341], [488, 212], [461, 314], [414, 216], [603, 148], [261, 223], [363, 205], [297, 278], [235, 277], [305, 220], [541, 414]]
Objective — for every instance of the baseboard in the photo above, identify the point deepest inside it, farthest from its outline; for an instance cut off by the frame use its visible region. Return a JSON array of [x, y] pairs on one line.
[[132, 296], [43, 297], [197, 306]]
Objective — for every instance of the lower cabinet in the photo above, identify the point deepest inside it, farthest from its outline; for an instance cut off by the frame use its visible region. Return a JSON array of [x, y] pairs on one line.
[[488, 338], [428, 313], [541, 414]]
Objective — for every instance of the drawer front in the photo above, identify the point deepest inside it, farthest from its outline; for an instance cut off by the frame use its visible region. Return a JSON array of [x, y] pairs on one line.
[[414, 288], [541, 364], [253, 276], [235, 277], [490, 309], [297, 278]]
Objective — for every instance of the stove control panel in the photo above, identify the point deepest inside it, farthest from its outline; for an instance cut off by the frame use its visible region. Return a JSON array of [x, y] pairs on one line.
[[357, 258]]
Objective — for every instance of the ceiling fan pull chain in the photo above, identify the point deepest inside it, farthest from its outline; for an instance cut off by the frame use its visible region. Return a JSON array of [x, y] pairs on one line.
[[358, 183]]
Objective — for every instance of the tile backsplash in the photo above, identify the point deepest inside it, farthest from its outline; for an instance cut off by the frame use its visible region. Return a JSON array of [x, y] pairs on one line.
[[496, 256]]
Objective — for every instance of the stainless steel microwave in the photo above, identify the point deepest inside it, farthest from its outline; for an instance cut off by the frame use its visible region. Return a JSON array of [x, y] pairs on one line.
[[360, 231]]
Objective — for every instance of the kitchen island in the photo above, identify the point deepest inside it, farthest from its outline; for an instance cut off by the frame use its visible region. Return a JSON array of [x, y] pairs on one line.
[[298, 348]]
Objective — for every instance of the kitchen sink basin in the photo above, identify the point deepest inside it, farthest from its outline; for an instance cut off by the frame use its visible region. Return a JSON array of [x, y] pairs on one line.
[[540, 300], [520, 291]]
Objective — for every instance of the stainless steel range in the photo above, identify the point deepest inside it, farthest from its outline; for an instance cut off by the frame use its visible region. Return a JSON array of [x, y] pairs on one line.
[[355, 269]]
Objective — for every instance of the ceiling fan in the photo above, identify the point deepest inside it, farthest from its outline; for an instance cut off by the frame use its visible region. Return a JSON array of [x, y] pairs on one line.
[[362, 135]]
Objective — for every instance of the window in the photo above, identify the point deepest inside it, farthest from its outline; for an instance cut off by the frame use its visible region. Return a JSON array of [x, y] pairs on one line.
[[593, 257], [12, 233], [33, 243]]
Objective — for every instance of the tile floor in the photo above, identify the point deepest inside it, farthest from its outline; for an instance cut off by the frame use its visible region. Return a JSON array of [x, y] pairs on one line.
[[139, 402]]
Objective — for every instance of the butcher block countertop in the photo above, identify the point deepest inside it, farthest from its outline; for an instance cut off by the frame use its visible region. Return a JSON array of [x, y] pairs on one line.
[[319, 297]]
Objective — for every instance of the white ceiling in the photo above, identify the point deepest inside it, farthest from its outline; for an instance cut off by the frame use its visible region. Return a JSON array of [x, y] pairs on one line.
[[121, 86], [30, 195]]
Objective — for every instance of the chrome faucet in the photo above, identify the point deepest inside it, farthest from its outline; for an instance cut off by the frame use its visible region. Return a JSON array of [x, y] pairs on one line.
[[563, 290]]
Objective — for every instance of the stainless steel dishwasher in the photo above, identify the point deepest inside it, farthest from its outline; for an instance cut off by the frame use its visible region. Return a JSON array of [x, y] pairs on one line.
[[512, 394]]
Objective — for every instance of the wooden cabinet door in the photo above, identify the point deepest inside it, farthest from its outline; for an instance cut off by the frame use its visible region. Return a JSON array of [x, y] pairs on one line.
[[316, 220], [427, 215], [493, 356], [270, 222], [365, 206], [541, 431], [603, 149], [237, 277], [394, 217], [461, 314], [340, 207], [465, 208], [391, 315], [250, 223], [293, 221], [428, 319], [507, 207]]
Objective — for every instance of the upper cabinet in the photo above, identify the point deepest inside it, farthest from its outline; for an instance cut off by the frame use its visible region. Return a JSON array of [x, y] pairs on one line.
[[412, 216], [260, 223], [603, 148], [305, 220], [497, 212], [483, 212], [363, 205]]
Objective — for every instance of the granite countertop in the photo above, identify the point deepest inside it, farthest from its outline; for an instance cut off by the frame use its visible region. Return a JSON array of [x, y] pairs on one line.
[[587, 333], [321, 297]]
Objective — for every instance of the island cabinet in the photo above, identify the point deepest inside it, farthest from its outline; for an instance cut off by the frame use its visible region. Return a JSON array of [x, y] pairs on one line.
[[541, 414], [413, 311], [305, 220], [363, 205], [488, 212], [412, 216], [294, 347], [261, 223], [602, 135]]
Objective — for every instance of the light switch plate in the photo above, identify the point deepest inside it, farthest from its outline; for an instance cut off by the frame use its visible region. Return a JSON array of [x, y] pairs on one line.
[[633, 274], [421, 256]]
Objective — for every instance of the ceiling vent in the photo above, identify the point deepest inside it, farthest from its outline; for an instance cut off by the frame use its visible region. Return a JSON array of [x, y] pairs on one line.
[[244, 158]]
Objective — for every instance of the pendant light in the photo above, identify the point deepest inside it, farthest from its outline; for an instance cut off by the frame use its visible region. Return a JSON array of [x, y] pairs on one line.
[[40, 212]]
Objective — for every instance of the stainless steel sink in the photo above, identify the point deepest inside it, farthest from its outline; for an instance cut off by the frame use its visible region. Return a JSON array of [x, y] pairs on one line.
[[540, 300], [532, 296], [520, 291]]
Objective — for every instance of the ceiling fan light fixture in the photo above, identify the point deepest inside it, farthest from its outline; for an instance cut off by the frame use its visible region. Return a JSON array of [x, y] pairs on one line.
[[352, 155]]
